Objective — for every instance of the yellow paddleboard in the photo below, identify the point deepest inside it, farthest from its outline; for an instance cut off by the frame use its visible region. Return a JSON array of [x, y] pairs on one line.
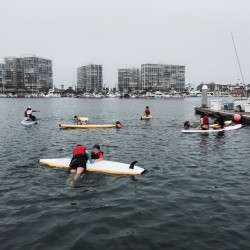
[[146, 117], [226, 124], [64, 125]]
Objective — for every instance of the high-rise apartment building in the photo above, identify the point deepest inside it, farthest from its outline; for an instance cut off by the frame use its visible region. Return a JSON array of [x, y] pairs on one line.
[[2, 74], [89, 78], [128, 79], [28, 71], [162, 77]]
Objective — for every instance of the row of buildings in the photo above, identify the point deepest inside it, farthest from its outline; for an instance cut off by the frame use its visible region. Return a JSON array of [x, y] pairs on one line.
[[30, 71], [149, 77]]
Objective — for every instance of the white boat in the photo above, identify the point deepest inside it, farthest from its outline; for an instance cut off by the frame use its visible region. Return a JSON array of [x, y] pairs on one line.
[[167, 95], [86, 95], [53, 94], [159, 94], [210, 93], [195, 94], [110, 95], [177, 95], [96, 95], [149, 95]]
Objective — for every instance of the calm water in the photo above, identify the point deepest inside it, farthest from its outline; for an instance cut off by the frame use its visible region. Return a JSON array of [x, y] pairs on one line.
[[195, 195]]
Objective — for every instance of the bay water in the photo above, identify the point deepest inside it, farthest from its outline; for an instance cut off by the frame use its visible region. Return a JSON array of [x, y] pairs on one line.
[[195, 194]]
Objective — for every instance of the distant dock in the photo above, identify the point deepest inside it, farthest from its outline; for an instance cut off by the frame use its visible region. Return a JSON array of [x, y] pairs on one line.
[[229, 114]]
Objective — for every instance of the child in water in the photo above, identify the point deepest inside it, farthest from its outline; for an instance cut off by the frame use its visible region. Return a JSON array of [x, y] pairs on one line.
[[118, 124], [187, 125], [96, 153]]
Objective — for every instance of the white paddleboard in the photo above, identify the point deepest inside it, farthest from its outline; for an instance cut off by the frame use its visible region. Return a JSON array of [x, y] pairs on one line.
[[233, 127], [100, 166], [25, 122]]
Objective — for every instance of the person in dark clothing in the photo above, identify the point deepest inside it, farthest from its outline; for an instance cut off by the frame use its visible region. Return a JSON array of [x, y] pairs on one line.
[[187, 125], [220, 121]]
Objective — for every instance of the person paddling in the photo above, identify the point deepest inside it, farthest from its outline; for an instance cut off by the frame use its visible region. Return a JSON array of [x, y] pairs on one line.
[[28, 114]]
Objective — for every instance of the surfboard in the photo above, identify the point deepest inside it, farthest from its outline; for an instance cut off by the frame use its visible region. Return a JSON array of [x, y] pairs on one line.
[[100, 166], [227, 123], [233, 127], [146, 117], [28, 123], [63, 125]]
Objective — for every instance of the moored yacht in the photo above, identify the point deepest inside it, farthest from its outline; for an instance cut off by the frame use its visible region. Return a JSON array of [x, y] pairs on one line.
[[195, 93], [53, 94]]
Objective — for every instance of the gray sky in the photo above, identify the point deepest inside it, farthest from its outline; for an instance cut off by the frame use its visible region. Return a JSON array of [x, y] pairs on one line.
[[128, 33]]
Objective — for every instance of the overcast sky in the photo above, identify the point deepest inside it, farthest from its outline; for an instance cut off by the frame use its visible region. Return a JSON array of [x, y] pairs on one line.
[[128, 33]]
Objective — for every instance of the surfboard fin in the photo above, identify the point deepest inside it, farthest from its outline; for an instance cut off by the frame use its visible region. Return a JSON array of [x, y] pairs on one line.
[[132, 164]]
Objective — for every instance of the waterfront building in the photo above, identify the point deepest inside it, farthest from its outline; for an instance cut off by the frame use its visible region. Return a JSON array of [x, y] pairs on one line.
[[28, 71], [162, 77], [89, 78], [128, 79], [2, 74]]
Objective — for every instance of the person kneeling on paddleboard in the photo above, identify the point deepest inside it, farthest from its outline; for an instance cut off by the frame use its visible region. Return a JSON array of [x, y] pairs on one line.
[[96, 153], [147, 111], [220, 121], [78, 162], [28, 114], [78, 120], [204, 122]]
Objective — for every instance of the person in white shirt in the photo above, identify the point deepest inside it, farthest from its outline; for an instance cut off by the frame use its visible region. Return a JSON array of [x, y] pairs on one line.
[[28, 114]]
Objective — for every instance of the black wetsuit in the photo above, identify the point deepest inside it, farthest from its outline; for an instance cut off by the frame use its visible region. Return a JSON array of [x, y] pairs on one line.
[[221, 121]]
